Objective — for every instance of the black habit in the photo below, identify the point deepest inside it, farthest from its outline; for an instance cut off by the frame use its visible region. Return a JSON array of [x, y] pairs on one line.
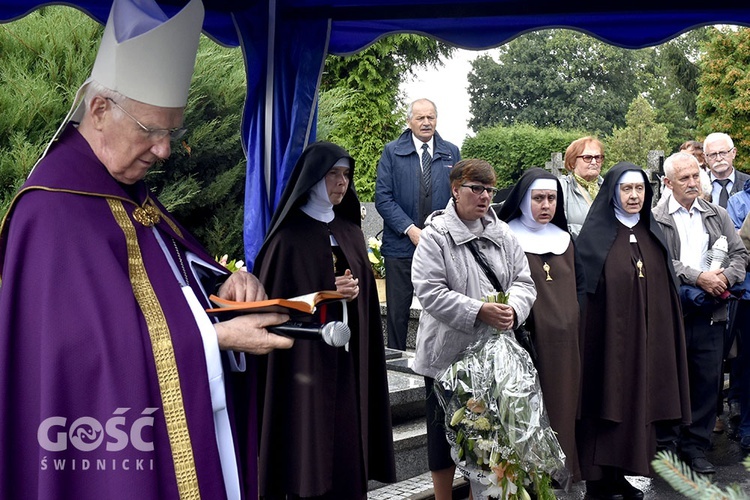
[[325, 421], [633, 343]]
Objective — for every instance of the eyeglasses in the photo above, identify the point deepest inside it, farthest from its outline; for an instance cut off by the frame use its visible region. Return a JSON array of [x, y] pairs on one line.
[[718, 154], [588, 158], [156, 134], [477, 189]]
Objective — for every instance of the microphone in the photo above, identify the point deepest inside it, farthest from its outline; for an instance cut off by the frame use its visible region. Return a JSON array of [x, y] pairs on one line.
[[335, 333]]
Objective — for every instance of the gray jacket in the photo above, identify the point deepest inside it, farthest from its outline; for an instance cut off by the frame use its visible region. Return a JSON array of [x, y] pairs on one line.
[[576, 205], [716, 222], [447, 282]]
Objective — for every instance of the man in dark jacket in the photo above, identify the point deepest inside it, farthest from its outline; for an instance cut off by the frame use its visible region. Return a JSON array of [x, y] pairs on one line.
[[412, 182], [726, 180]]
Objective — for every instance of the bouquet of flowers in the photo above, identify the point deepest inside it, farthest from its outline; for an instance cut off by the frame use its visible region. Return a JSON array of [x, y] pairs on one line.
[[375, 257], [496, 423]]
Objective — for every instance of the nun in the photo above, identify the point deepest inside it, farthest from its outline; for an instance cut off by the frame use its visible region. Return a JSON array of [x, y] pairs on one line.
[[534, 212], [634, 368], [326, 421]]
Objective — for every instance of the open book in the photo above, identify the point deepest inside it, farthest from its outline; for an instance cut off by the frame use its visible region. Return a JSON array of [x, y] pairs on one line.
[[303, 304]]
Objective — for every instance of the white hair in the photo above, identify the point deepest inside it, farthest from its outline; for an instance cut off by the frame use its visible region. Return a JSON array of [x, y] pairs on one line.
[[718, 136], [669, 163], [95, 88]]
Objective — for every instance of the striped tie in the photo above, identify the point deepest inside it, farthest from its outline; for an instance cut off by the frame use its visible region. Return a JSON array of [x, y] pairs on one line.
[[426, 168]]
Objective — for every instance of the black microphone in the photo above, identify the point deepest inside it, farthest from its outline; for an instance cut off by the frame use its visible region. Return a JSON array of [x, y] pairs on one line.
[[335, 333]]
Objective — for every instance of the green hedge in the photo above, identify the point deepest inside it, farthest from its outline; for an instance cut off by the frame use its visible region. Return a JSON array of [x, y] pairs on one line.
[[511, 150]]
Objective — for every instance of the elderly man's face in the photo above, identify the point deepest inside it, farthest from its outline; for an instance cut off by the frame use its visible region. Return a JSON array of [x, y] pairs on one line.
[[719, 157], [685, 182], [126, 149], [423, 120]]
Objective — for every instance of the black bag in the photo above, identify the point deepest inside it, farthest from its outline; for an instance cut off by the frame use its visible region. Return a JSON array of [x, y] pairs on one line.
[[523, 336]]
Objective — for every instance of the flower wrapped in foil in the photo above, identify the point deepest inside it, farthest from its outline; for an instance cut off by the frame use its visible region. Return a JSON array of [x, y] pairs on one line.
[[496, 422]]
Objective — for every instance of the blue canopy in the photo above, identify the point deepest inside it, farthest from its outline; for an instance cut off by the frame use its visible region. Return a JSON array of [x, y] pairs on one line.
[[285, 43]]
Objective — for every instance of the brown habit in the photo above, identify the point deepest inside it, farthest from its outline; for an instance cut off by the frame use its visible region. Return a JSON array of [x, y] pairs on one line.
[[633, 354], [325, 415], [555, 317]]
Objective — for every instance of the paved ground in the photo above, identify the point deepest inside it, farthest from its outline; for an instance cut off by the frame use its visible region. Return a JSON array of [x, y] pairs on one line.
[[726, 455]]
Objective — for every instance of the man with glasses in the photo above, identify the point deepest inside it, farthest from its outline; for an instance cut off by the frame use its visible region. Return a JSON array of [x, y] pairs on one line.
[[720, 152], [113, 375], [412, 182], [728, 185]]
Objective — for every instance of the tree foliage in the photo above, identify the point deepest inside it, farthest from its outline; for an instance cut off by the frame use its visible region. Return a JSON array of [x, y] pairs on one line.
[[202, 183], [511, 150], [45, 58], [559, 78], [724, 96], [673, 88], [360, 106], [641, 134]]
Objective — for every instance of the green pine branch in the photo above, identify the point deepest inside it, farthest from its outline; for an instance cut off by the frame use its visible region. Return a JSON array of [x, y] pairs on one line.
[[686, 482]]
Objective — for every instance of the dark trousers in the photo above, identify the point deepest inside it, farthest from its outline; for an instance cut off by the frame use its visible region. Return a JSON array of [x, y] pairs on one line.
[[742, 362], [399, 292], [705, 343], [438, 447]]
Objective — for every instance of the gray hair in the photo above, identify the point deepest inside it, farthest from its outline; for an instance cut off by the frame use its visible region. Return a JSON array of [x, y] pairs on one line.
[[669, 163], [410, 109], [717, 136], [95, 88]]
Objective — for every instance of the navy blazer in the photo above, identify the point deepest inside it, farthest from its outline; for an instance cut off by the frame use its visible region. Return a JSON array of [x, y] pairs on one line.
[[397, 188]]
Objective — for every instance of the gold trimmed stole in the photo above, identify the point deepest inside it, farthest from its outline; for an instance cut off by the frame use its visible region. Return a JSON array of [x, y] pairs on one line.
[[164, 359]]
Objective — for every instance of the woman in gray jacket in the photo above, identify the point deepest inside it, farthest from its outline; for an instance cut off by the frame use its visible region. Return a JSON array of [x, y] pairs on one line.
[[583, 159], [450, 285]]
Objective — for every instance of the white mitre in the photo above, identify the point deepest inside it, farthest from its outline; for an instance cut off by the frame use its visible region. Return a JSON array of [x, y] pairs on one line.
[[144, 55]]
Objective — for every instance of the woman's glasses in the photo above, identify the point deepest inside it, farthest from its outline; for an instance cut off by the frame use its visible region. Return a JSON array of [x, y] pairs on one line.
[[589, 158], [477, 189]]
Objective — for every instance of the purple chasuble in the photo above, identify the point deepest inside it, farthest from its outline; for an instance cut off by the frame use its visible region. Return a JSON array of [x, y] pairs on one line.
[[88, 410]]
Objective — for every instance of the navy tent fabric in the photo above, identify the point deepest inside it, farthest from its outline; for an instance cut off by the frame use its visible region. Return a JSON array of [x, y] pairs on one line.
[[285, 43]]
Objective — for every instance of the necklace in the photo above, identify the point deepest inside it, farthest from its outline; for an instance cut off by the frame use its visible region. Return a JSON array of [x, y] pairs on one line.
[[182, 264]]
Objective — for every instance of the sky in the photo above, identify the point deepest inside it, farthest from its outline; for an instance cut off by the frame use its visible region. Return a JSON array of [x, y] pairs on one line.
[[446, 87]]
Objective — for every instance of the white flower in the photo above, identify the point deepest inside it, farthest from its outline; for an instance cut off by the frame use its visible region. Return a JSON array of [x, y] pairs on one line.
[[373, 242]]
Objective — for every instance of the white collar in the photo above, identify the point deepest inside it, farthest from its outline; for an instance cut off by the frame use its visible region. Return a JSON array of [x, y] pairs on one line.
[[318, 204], [674, 206], [418, 144], [731, 176], [541, 239]]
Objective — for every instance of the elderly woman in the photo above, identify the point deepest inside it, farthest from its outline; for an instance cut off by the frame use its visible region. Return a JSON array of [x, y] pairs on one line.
[[533, 211], [326, 422], [633, 347], [450, 284], [583, 159]]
